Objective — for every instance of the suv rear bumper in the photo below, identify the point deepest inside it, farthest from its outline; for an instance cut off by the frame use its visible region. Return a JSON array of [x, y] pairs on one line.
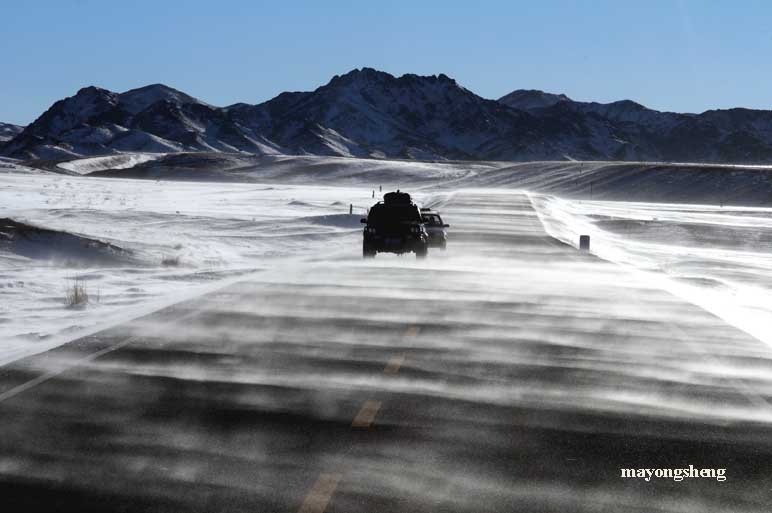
[[395, 244], [437, 240]]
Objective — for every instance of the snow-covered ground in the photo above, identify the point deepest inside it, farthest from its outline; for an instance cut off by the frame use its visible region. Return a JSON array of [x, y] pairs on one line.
[[208, 232], [212, 232], [712, 256]]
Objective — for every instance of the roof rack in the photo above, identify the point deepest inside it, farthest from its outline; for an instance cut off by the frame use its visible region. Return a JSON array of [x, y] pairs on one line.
[[397, 198]]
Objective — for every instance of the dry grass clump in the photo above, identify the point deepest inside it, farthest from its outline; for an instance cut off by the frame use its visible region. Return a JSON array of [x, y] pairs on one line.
[[170, 261], [76, 293]]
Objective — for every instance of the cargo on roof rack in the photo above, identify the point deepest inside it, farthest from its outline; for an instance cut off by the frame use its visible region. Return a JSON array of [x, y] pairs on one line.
[[394, 198]]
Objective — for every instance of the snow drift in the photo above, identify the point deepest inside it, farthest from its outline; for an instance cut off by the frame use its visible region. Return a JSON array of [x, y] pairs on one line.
[[71, 250]]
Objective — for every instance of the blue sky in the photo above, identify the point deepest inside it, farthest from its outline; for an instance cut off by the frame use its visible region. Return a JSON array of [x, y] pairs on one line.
[[669, 55]]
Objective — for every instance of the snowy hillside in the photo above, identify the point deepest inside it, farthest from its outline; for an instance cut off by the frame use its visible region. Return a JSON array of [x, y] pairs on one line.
[[635, 132], [371, 114], [120, 161], [13, 165], [155, 119], [9, 131]]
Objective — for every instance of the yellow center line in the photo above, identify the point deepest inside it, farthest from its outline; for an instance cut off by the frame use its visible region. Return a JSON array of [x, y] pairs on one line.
[[366, 414], [320, 494], [412, 331], [394, 364]]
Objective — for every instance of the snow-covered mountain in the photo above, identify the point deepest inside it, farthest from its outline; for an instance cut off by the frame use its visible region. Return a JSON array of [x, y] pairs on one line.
[[372, 114], [731, 135], [9, 131], [155, 118]]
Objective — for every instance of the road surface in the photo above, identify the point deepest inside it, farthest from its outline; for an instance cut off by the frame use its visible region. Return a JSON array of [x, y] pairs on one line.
[[509, 373]]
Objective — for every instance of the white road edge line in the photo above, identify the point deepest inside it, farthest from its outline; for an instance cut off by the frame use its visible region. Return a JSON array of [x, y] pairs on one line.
[[52, 374]]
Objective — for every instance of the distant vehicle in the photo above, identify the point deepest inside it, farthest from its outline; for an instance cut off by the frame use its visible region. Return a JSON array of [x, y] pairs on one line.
[[435, 228], [395, 225]]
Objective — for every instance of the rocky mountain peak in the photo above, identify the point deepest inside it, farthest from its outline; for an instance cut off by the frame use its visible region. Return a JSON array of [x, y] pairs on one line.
[[529, 99], [137, 100]]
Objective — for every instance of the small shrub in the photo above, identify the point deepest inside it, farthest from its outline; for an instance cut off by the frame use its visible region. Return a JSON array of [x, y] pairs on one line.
[[77, 293], [170, 261]]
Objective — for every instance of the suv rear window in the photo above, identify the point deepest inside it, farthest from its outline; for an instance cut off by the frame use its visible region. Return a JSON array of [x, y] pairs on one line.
[[432, 219], [384, 214]]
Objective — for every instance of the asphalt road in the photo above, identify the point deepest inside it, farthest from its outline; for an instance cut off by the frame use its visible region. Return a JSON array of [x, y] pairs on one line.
[[509, 373]]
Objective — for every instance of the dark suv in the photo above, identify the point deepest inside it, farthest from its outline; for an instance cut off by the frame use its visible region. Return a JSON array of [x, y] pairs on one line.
[[394, 225]]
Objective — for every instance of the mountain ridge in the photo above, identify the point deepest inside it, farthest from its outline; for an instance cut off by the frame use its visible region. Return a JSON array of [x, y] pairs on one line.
[[373, 114]]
